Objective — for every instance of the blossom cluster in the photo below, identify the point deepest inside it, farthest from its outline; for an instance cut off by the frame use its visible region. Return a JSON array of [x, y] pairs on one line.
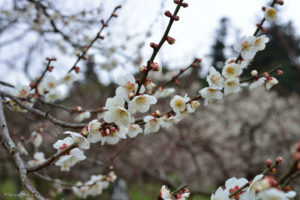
[[260, 188], [94, 186], [166, 194]]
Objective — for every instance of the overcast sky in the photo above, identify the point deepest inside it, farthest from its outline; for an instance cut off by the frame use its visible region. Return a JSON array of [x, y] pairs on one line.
[[194, 32]]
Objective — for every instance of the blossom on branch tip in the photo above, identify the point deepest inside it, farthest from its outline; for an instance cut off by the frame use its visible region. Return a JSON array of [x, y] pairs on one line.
[[270, 14], [165, 193]]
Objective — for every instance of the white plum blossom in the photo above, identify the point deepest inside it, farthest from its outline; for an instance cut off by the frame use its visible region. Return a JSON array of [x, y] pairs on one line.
[[78, 139], [127, 86], [260, 42], [270, 14], [141, 103], [53, 96], [47, 84], [209, 94], [250, 193], [134, 130], [257, 82], [152, 124], [21, 91], [118, 115], [94, 131], [112, 134], [114, 102], [215, 79], [220, 194], [271, 81], [233, 184], [66, 161], [83, 116], [178, 103], [38, 157], [231, 70], [192, 106], [62, 144], [163, 92], [246, 47], [275, 194], [165, 193], [232, 85], [37, 139], [166, 121], [68, 79]]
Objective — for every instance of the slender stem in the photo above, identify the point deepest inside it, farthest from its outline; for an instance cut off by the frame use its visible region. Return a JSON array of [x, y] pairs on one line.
[[179, 189], [43, 114], [94, 40], [156, 50]]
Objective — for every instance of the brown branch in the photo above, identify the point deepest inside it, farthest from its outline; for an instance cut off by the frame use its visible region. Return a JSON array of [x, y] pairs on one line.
[[51, 159], [156, 49], [43, 114], [12, 150], [105, 24]]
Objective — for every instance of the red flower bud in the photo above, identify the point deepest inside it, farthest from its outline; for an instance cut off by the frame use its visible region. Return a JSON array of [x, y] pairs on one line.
[[153, 45], [184, 4], [263, 8], [279, 72], [263, 29], [154, 66], [76, 68], [280, 2], [278, 160], [168, 13], [266, 74], [119, 6], [195, 65], [101, 37], [176, 17], [170, 40], [114, 15], [176, 81], [50, 68], [269, 163], [176, 1], [31, 85]]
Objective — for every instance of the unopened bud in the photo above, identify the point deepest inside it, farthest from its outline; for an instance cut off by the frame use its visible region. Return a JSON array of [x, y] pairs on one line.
[[269, 163], [154, 66], [142, 69], [280, 2], [254, 73], [77, 69], [279, 72], [263, 8], [50, 68], [170, 40], [176, 1], [101, 37], [168, 13], [198, 60], [266, 74], [278, 160], [176, 17], [195, 65], [184, 4], [114, 15], [153, 45], [273, 171], [31, 85], [176, 81], [263, 29]]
